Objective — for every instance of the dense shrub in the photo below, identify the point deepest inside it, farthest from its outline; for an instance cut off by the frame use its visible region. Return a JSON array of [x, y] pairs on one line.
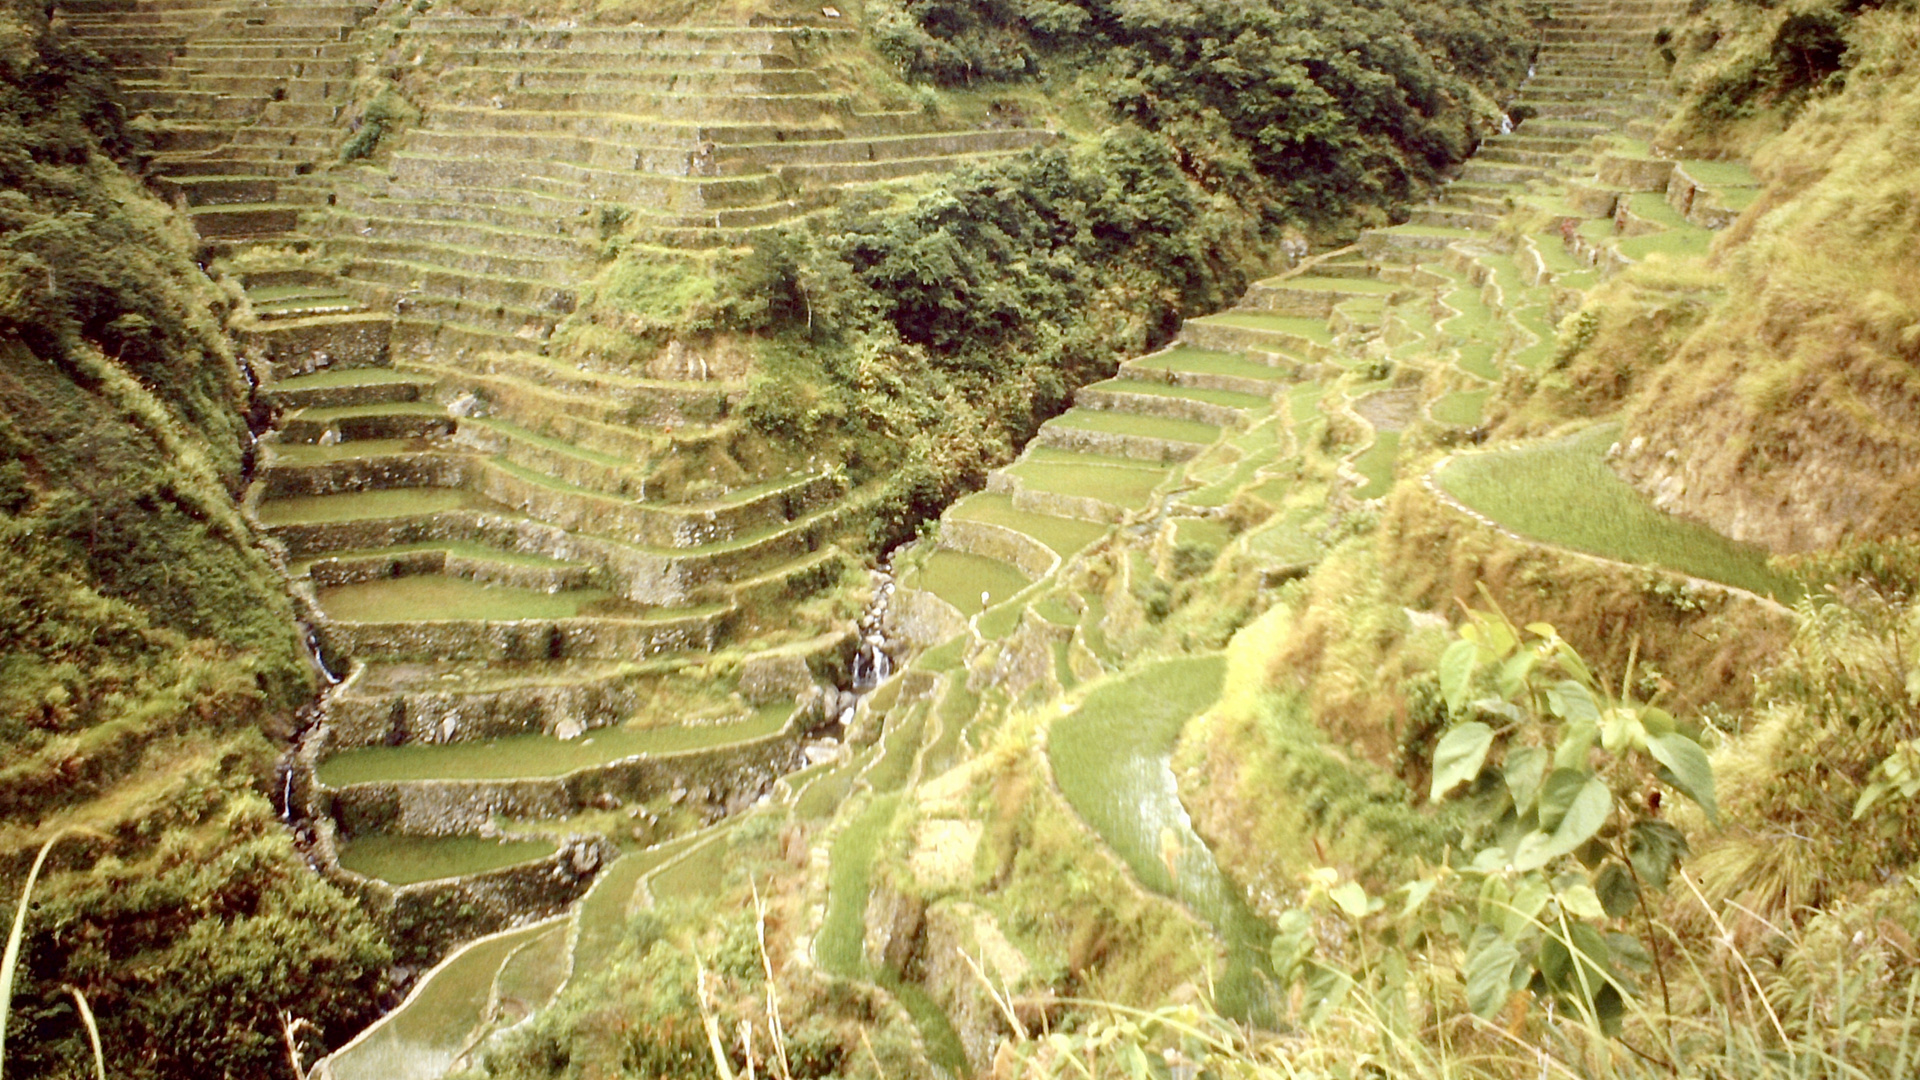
[[1305, 108]]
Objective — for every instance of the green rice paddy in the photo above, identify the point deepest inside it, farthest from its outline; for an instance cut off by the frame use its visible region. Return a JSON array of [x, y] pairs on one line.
[[1228, 398], [1563, 492], [446, 598], [406, 860], [1286, 541], [334, 378], [1112, 422], [700, 874], [331, 413], [296, 454], [960, 577], [371, 505], [602, 918], [1123, 484], [1375, 463], [1110, 756], [465, 549], [1462, 408], [422, 1038], [1064, 535], [1313, 330], [515, 757], [1371, 286], [1208, 362]]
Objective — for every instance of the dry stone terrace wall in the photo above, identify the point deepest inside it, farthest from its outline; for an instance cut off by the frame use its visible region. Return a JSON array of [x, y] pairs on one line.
[[719, 779]]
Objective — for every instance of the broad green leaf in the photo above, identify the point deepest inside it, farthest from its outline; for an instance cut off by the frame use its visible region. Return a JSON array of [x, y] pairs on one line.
[[1456, 673], [1524, 909], [1525, 769], [1869, 795], [1572, 702], [1655, 848], [1293, 943], [1688, 768], [1585, 815], [1417, 893], [1489, 860], [1505, 710], [1657, 721], [1630, 953], [1545, 630], [1581, 900], [1575, 742], [1557, 795], [1500, 636], [1611, 1010], [1459, 756], [1514, 673], [1327, 989], [1580, 969], [1491, 966], [1351, 898], [1619, 893]]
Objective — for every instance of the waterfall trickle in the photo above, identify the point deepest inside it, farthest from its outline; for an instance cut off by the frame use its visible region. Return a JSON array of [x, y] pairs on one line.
[[872, 663], [319, 658]]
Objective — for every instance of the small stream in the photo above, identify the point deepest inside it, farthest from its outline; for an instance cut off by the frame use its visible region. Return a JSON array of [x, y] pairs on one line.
[[1112, 757]]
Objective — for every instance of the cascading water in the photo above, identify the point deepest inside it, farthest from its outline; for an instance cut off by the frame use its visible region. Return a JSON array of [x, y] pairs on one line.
[[872, 663], [319, 658]]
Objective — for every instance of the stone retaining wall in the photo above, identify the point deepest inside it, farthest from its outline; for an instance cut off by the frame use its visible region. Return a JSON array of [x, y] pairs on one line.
[[428, 918], [357, 718], [1199, 380], [716, 780], [922, 620], [1633, 174], [1138, 447], [382, 473], [585, 638], [1035, 559], [386, 565], [281, 350], [1164, 405]]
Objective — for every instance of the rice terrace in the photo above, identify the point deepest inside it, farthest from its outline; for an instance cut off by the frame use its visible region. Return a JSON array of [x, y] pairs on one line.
[[1003, 539]]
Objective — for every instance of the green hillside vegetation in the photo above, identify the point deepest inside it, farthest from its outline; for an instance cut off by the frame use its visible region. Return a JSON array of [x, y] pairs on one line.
[[151, 658]]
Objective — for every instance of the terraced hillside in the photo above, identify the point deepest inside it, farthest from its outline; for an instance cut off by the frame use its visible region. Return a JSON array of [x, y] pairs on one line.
[[573, 603], [1233, 455], [547, 592]]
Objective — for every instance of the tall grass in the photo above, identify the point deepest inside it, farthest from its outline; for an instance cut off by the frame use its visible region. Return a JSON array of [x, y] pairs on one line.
[[10, 962]]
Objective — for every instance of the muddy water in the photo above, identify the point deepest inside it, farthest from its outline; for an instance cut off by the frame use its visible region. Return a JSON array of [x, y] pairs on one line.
[[1111, 757]]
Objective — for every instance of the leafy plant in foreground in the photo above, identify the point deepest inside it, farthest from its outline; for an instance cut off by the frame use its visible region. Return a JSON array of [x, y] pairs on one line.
[[1573, 777]]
